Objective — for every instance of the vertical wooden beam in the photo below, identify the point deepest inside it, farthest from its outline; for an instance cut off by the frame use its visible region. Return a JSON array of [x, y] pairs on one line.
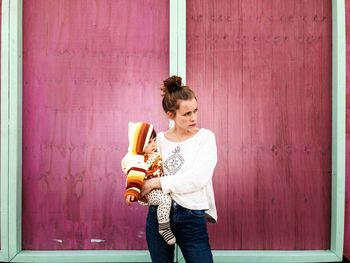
[[173, 48], [338, 126], [4, 125], [177, 41], [177, 36], [11, 118], [15, 127], [181, 40]]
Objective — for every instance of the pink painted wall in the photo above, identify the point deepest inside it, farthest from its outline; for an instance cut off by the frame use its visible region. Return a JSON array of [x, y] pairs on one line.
[[347, 192], [263, 79], [262, 73], [89, 68]]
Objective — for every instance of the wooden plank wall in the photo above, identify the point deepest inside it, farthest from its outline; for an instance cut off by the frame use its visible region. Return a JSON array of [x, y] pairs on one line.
[[262, 73], [347, 191], [89, 68]]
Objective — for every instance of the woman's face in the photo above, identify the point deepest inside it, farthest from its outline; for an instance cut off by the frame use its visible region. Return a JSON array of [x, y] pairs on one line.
[[186, 115]]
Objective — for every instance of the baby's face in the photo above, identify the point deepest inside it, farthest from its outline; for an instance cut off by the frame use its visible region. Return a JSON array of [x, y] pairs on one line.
[[151, 146]]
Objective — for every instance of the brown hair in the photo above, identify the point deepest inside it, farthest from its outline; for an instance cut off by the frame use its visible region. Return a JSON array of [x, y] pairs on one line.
[[153, 134], [173, 91]]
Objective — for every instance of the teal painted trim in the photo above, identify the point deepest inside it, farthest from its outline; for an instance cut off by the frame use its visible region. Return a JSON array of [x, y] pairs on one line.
[[83, 256], [173, 44], [277, 256], [180, 256], [5, 32], [173, 31], [177, 39], [338, 126], [181, 59], [15, 128], [3, 258], [142, 256]]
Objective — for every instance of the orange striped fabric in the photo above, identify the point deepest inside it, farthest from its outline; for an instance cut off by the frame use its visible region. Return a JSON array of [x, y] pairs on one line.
[[139, 135], [134, 182]]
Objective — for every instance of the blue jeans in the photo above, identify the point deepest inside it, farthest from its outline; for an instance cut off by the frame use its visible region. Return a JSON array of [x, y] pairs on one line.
[[190, 230]]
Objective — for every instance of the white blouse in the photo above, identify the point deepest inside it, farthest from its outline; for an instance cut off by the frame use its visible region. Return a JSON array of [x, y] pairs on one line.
[[188, 170]]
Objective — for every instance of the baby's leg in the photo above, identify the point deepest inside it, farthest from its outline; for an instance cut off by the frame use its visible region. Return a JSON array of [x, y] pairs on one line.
[[163, 201], [157, 197]]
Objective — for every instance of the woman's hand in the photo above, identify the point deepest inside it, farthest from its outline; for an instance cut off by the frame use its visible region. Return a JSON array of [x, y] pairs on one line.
[[149, 185], [129, 199]]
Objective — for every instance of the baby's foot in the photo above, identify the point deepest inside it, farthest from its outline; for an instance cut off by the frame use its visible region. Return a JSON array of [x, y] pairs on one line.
[[167, 234]]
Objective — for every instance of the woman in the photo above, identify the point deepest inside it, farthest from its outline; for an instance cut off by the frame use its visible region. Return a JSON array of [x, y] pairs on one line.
[[189, 158]]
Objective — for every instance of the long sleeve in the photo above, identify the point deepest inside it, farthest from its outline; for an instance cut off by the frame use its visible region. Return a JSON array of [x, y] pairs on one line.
[[199, 175], [135, 169]]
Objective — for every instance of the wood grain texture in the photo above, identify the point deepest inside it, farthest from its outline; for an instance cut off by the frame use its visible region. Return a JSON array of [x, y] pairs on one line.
[[89, 68], [262, 72], [347, 179]]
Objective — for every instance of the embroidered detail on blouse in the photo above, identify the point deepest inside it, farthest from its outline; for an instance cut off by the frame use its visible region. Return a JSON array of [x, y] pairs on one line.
[[174, 162]]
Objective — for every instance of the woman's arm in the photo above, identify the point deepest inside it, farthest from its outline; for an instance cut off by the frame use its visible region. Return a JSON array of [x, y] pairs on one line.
[[149, 185]]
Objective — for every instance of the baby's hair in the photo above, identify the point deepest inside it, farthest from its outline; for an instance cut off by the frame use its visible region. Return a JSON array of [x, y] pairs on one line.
[[153, 134], [173, 91]]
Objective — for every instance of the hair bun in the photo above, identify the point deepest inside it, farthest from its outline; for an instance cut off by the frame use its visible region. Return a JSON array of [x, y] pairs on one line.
[[173, 83]]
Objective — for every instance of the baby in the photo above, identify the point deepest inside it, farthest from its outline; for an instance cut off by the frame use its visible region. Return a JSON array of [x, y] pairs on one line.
[[143, 162]]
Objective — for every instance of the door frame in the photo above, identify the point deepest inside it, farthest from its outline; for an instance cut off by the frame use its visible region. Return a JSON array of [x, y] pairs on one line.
[[11, 149]]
